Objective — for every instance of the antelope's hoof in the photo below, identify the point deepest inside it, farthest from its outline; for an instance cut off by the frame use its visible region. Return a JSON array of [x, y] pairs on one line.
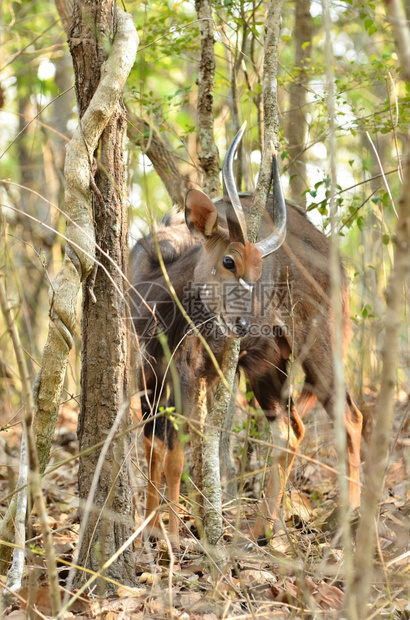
[[153, 541], [262, 541]]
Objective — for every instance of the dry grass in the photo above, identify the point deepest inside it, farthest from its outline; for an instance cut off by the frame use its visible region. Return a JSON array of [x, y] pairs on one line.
[[298, 575]]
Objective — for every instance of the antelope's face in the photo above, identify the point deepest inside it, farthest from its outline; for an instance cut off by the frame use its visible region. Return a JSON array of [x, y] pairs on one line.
[[229, 292], [230, 265], [228, 270]]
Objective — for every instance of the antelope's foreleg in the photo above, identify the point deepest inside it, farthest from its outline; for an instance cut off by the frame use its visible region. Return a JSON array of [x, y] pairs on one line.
[[353, 423], [287, 434]]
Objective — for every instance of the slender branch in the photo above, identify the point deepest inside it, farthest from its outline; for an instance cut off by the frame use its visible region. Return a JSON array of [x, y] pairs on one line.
[[209, 160], [140, 132]]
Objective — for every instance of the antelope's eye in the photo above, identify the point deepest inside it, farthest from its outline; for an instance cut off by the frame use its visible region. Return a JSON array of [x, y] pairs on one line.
[[229, 263]]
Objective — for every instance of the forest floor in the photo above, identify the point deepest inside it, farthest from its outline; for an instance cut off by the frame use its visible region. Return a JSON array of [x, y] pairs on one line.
[[298, 575]]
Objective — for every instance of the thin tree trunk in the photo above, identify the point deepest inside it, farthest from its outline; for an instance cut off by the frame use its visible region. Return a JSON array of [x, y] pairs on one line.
[[213, 524], [339, 410], [208, 156], [209, 160], [236, 59], [270, 115], [379, 446], [296, 126], [257, 98]]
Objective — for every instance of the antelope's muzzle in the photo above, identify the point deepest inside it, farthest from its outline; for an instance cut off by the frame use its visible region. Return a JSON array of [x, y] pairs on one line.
[[241, 327]]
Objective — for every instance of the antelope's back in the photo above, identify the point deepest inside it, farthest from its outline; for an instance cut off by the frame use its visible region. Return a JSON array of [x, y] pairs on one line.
[[173, 238]]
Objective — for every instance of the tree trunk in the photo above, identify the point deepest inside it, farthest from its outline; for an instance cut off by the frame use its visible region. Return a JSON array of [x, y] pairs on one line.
[[208, 156], [235, 60], [296, 129], [270, 115], [108, 519], [213, 523], [376, 466]]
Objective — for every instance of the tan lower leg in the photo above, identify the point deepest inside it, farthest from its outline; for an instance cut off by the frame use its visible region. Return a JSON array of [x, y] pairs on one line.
[[154, 452], [353, 455], [174, 463], [289, 437]]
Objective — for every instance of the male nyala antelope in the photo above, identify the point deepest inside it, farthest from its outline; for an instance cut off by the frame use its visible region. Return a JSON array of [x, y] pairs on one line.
[[274, 295]]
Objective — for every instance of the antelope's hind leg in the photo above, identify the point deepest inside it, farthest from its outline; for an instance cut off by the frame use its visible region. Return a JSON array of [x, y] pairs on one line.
[[154, 443], [353, 422], [174, 464], [354, 425]]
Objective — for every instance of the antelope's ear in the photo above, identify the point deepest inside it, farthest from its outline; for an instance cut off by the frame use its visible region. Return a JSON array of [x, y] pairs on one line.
[[201, 215]]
